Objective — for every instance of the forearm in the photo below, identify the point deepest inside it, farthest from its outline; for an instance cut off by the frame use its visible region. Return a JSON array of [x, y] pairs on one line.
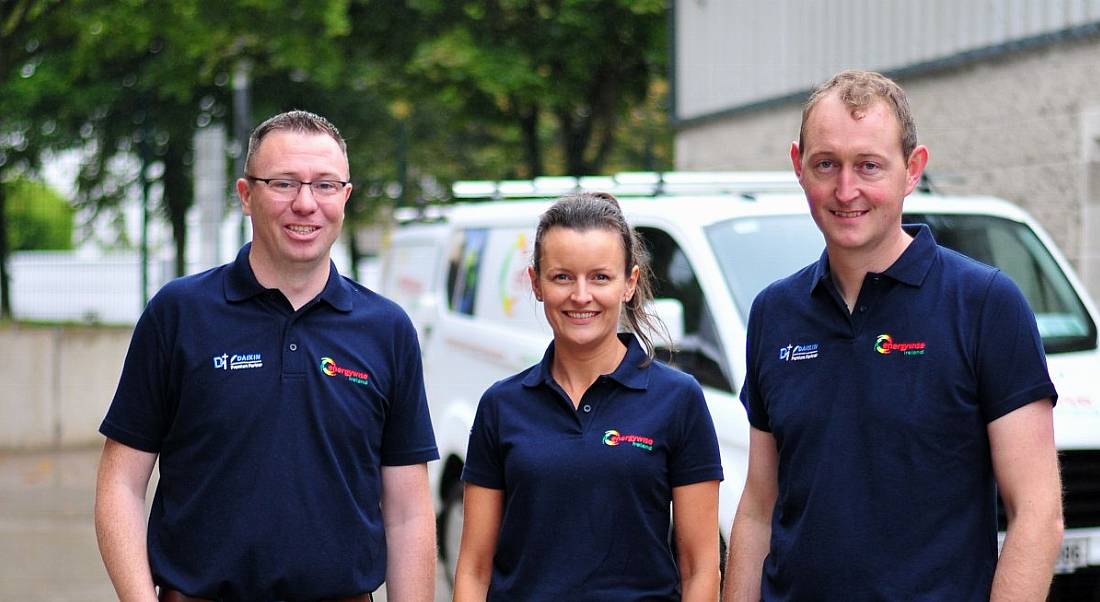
[[1026, 565], [472, 584], [749, 543], [410, 560], [121, 532], [700, 586]]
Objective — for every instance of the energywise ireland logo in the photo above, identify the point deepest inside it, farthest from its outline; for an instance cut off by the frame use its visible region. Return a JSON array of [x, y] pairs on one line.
[[614, 438], [885, 345], [329, 368]]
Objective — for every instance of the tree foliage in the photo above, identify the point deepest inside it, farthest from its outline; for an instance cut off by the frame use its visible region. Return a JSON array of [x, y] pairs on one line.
[[39, 218], [425, 91]]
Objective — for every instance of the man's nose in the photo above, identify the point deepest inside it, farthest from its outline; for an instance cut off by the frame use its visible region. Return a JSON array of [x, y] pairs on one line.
[[304, 201], [847, 185]]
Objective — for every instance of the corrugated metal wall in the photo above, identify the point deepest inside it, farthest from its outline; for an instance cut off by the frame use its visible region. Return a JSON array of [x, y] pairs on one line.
[[735, 53]]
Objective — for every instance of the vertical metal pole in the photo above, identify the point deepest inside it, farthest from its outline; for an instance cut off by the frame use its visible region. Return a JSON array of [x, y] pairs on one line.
[[242, 124], [145, 159]]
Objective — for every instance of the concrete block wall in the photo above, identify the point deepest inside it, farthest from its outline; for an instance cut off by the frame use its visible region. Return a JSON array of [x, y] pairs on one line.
[[1016, 127], [56, 383]]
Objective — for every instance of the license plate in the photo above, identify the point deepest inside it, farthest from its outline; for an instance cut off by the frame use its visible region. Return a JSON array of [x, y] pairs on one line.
[[1074, 555]]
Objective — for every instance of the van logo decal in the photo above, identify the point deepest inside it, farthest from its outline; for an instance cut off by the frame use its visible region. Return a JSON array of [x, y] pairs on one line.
[[513, 274], [794, 353]]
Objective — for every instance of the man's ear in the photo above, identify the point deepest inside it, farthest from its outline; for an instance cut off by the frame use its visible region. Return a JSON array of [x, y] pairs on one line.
[[244, 191], [796, 159], [918, 159]]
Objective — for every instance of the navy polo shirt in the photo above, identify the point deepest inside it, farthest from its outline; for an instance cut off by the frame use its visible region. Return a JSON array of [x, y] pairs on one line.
[[587, 491], [272, 426], [886, 487]]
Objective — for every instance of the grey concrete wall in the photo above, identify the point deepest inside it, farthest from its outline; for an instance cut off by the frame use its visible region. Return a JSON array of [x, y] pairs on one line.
[[56, 383], [1018, 128]]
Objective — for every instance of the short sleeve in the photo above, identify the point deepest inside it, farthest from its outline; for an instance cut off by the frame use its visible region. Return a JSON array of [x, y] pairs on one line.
[[408, 437], [695, 458], [1011, 365], [484, 464], [750, 391], [140, 412]]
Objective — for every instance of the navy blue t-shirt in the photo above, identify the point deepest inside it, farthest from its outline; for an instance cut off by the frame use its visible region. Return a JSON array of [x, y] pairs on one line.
[[886, 486], [272, 426], [587, 490]]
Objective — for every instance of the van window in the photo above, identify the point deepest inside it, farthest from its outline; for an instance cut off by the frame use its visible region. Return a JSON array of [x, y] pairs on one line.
[[1063, 321], [700, 352], [463, 263]]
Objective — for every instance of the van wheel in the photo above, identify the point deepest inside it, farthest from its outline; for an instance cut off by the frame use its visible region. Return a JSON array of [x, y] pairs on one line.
[[450, 530]]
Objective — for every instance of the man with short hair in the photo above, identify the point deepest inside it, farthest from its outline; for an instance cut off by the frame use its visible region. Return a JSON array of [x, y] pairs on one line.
[[286, 405], [874, 463]]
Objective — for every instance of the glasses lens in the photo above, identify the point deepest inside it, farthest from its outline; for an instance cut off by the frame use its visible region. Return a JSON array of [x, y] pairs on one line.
[[326, 187], [285, 188]]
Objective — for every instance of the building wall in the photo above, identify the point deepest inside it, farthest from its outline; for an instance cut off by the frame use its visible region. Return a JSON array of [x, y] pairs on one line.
[[1024, 126], [733, 53], [57, 383]]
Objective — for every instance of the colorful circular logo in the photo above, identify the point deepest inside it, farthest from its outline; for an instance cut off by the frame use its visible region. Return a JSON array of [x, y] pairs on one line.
[[882, 343], [611, 438], [328, 366]]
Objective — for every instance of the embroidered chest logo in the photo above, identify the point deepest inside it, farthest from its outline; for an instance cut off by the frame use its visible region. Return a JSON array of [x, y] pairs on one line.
[[238, 361], [794, 353], [614, 438], [329, 368], [885, 345]]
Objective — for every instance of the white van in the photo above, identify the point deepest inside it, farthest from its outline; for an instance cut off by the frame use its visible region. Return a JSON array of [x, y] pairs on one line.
[[716, 240]]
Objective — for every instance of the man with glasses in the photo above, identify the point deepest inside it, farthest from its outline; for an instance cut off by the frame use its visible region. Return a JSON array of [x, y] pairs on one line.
[[286, 405]]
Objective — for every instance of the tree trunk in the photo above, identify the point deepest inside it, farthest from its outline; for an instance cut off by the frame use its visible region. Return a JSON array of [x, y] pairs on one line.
[[5, 277], [529, 126], [178, 198]]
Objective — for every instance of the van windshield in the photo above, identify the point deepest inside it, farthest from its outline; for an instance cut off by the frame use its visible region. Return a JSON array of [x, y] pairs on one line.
[[754, 252]]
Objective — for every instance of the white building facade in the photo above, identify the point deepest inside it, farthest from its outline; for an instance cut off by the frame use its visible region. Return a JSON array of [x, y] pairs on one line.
[[1006, 93]]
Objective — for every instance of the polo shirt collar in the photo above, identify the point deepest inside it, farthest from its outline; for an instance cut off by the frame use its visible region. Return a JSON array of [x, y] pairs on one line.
[[241, 283], [630, 372], [911, 268]]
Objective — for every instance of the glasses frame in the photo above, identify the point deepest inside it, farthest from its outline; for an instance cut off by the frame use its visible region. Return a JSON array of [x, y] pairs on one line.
[[343, 186]]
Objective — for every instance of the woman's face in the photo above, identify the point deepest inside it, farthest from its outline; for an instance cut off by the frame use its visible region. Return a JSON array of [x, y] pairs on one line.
[[583, 284]]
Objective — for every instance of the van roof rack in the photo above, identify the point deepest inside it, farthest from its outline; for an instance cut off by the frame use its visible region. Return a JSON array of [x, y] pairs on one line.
[[632, 184]]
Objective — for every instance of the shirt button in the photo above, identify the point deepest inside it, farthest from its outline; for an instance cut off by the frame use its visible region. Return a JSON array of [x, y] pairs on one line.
[[862, 308], [587, 408], [294, 346]]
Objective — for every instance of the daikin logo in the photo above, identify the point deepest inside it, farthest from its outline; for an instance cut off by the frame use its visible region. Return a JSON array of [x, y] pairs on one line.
[[794, 353], [238, 361]]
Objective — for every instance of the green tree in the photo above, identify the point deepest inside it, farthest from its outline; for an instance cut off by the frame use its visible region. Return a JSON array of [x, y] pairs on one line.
[[39, 218], [580, 64]]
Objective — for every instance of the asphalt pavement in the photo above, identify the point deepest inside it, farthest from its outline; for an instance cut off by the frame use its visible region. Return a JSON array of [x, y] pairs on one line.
[[47, 538]]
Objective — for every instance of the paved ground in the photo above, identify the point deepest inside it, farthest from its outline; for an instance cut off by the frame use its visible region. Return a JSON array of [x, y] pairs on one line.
[[47, 540]]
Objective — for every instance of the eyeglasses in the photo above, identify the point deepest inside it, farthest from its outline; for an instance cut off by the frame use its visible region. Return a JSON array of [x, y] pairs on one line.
[[287, 190]]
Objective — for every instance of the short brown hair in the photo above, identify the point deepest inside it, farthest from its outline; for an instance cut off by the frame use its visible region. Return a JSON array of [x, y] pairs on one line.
[[859, 89], [294, 121]]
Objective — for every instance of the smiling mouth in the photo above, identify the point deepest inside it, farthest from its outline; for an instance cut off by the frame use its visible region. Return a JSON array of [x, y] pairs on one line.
[[849, 213], [580, 315], [303, 229]]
